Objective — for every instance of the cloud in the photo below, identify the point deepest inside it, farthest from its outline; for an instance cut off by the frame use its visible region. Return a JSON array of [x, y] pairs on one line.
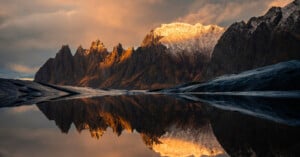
[[22, 68], [33, 30], [22, 109], [279, 3], [226, 12]]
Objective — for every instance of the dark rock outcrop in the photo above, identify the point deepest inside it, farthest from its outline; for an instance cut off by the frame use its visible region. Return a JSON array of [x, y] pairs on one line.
[[263, 40], [58, 70], [19, 92], [283, 76]]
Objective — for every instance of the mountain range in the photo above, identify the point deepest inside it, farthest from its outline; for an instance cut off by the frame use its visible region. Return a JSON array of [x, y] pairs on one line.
[[178, 52], [165, 58], [264, 40]]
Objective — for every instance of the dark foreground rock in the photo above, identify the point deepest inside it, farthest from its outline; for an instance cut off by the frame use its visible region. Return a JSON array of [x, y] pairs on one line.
[[18, 92], [283, 76]]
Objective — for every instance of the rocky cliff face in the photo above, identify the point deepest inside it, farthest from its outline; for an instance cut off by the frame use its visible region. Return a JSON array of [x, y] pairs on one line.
[[263, 40], [163, 60], [59, 69]]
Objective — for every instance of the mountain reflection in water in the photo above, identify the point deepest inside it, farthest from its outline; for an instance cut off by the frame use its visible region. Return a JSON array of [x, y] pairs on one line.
[[173, 127], [164, 123]]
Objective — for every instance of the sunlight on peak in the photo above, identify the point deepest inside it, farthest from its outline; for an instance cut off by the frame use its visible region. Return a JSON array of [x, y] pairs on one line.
[[184, 37], [185, 30]]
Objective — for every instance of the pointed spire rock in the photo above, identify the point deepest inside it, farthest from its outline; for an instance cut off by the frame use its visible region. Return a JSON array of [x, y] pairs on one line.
[[151, 39], [118, 49], [98, 46], [64, 52], [80, 47], [80, 51]]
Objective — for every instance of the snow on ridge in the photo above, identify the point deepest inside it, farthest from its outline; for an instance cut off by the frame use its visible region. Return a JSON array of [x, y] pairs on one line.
[[179, 37]]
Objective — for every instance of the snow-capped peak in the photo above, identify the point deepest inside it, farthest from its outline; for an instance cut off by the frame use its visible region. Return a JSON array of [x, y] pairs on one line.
[[183, 37]]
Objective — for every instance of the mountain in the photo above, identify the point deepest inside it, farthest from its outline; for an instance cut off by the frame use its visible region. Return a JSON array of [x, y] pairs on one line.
[[170, 54], [263, 40], [178, 52], [186, 38]]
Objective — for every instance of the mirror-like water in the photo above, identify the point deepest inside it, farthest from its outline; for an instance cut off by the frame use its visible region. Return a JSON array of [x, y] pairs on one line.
[[152, 125]]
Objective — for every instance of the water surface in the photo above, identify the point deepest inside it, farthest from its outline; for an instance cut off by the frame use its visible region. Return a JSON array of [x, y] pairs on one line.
[[152, 125]]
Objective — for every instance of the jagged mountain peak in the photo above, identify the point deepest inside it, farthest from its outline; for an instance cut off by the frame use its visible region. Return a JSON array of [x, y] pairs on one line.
[[292, 6], [118, 49], [184, 37], [80, 51], [80, 47], [98, 46], [150, 39], [277, 17], [289, 9], [64, 48], [64, 52], [180, 31], [264, 40], [271, 18]]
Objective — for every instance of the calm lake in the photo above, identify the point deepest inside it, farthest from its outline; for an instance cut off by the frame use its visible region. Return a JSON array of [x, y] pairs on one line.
[[152, 125]]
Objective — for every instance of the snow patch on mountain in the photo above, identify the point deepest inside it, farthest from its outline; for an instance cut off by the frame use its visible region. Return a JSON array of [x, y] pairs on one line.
[[183, 37]]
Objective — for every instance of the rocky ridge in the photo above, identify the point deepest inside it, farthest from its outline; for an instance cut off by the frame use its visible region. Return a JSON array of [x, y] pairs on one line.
[[264, 40], [177, 53], [152, 65], [282, 76]]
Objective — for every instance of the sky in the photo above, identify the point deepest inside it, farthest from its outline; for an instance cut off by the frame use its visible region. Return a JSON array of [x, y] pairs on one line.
[[31, 31]]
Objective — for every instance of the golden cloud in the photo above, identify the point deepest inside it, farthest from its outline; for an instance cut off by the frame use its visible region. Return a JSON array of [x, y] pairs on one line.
[[22, 68], [279, 3]]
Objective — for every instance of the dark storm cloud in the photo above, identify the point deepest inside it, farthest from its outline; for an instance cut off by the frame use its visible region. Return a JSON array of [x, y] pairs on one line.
[[31, 31]]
